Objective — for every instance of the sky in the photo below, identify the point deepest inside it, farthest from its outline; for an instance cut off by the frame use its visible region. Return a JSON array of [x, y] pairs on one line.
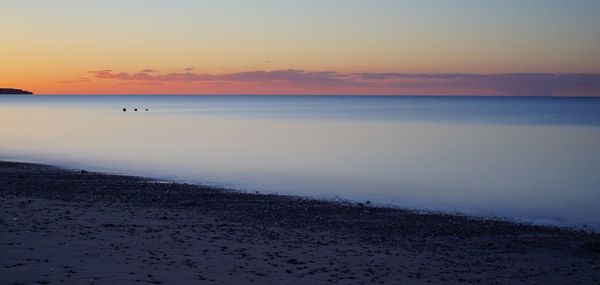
[[379, 47]]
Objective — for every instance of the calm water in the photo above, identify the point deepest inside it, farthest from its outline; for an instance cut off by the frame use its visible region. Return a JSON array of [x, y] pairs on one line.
[[532, 159]]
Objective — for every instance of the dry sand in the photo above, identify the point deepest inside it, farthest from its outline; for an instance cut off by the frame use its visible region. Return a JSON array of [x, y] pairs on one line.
[[60, 226]]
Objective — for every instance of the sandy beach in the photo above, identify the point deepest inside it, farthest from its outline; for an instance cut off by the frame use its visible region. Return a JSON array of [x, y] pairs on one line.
[[62, 226]]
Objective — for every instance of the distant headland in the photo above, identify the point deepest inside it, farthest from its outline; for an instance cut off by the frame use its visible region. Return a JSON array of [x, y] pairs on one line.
[[11, 91]]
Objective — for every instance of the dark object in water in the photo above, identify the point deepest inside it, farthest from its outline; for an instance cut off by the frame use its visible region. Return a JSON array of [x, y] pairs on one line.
[[135, 109], [146, 110], [84, 172], [124, 109]]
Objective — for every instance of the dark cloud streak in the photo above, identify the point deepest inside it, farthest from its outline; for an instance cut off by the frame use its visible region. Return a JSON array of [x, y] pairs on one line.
[[528, 84]]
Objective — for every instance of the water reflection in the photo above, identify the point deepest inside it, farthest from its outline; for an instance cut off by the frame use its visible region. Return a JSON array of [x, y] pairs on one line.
[[386, 151]]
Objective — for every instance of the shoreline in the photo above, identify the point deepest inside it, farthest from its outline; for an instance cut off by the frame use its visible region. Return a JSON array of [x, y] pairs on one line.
[[175, 233], [468, 213]]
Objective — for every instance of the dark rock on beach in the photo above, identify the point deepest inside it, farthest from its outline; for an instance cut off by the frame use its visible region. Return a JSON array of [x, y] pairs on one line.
[[593, 246], [59, 226]]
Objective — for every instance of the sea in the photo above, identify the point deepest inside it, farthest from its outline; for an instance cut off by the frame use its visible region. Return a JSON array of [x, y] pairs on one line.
[[527, 159]]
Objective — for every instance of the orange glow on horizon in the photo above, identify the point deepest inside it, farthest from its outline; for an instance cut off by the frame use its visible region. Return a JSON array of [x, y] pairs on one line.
[[54, 51]]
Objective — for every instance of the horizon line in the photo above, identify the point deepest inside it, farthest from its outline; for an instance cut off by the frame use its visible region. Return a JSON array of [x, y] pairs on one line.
[[316, 95]]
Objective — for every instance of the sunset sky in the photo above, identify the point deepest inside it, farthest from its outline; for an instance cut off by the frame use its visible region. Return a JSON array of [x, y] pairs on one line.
[[393, 47]]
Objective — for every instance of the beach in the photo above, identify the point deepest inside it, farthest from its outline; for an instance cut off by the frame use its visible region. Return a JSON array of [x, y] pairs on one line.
[[300, 142], [62, 226]]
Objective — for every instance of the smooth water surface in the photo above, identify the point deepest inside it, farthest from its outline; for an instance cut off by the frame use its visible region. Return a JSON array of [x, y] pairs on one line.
[[532, 159]]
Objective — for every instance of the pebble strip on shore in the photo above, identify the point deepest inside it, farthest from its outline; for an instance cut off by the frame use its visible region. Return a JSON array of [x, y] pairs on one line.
[[78, 227]]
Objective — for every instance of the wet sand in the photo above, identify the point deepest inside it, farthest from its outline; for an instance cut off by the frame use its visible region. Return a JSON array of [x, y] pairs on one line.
[[74, 227]]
